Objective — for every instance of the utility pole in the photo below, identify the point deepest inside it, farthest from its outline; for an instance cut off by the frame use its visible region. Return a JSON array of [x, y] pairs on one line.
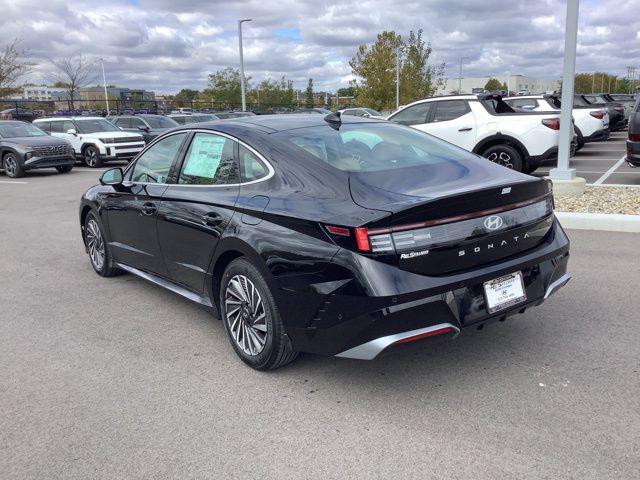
[[104, 83], [562, 173], [397, 77], [242, 82]]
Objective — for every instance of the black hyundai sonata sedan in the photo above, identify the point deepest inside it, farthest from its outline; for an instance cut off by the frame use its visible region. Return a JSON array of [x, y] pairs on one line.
[[327, 235]]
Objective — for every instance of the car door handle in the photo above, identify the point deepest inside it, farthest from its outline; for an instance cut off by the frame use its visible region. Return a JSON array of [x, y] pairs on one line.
[[465, 129], [212, 219], [149, 208]]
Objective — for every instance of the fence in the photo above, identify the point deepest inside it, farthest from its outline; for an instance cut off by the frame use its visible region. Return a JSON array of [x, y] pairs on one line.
[[25, 109]]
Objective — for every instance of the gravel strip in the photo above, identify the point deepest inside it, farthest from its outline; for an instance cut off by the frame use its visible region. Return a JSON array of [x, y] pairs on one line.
[[624, 200]]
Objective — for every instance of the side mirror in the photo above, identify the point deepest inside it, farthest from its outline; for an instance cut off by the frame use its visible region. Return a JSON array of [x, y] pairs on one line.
[[144, 129], [113, 176], [367, 115], [72, 131]]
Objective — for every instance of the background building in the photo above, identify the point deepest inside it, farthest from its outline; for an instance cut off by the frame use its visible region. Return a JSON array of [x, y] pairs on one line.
[[514, 82]]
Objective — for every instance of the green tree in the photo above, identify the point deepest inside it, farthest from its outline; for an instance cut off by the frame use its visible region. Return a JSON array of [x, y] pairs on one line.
[[185, 97], [309, 94], [349, 91], [375, 66], [224, 87], [417, 78], [492, 85], [273, 93], [504, 87]]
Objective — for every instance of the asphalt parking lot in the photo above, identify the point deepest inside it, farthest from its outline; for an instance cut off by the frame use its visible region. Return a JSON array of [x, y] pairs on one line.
[[117, 378], [602, 163]]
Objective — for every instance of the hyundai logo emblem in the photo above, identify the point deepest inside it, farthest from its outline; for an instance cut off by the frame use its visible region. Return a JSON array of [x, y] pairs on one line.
[[493, 222]]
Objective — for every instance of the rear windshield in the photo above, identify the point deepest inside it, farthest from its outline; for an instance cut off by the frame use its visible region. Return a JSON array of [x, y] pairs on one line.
[[369, 147]]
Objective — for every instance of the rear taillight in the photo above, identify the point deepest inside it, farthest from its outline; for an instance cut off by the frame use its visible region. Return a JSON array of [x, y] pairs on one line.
[[552, 123], [362, 239], [634, 137], [599, 114], [350, 237]]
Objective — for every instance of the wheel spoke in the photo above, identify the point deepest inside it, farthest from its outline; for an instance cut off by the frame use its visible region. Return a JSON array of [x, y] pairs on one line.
[[245, 315]]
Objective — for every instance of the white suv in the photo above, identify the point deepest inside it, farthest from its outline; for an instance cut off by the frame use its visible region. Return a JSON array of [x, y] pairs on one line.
[[485, 125], [591, 123], [95, 139]]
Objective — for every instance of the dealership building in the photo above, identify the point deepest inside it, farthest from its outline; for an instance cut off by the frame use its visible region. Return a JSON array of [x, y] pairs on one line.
[[514, 82]]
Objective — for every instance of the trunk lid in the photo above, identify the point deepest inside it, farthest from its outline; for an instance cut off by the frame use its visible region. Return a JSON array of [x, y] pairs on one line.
[[454, 216]]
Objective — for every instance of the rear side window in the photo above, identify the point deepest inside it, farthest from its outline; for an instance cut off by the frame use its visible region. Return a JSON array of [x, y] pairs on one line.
[[44, 126], [450, 110], [413, 115], [522, 103], [136, 122], [251, 167], [210, 161], [56, 127]]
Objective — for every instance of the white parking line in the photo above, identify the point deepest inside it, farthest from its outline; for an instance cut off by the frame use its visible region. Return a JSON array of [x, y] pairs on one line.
[[13, 182], [610, 171]]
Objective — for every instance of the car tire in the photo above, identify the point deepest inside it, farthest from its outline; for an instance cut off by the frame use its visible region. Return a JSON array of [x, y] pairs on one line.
[[64, 168], [505, 155], [251, 318], [91, 156], [529, 168], [98, 248], [11, 166]]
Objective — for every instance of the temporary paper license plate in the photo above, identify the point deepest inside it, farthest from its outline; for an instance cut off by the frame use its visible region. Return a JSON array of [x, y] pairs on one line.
[[504, 292]]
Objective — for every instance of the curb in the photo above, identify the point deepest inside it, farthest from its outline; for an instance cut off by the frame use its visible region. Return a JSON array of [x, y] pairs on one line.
[[600, 221]]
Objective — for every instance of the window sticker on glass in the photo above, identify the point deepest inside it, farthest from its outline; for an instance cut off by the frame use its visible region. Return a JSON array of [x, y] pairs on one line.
[[204, 156]]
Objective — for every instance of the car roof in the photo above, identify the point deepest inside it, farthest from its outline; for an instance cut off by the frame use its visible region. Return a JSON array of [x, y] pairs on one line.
[[69, 118], [273, 123]]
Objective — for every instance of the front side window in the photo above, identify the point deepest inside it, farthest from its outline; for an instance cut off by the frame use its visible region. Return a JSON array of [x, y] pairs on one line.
[[136, 122], [123, 122], [67, 125], [370, 147], [56, 127], [449, 110], [413, 115], [160, 122], [153, 166], [210, 160]]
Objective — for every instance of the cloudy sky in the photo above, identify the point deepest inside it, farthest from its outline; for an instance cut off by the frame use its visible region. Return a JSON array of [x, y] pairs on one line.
[[165, 45]]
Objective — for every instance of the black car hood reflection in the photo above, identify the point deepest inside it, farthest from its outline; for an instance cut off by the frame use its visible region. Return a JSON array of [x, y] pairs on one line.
[[35, 141]]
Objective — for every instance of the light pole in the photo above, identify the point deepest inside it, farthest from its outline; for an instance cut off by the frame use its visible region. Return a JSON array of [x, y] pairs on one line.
[[242, 85], [398, 78], [104, 83], [562, 173], [462, 59]]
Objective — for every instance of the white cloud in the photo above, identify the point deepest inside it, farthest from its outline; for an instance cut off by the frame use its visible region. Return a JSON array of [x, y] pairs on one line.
[[166, 45]]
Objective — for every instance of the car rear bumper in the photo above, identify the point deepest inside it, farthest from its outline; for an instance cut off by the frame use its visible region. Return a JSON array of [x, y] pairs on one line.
[[598, 136], [633, 153], [353, 321], [550, 155]]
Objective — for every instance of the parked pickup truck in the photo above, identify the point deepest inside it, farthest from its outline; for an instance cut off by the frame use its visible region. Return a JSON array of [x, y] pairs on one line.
[[591, 124], [486, 125]]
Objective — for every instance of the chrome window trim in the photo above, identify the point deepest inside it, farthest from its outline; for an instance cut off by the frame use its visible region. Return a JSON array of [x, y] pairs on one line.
[[213, 132]]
